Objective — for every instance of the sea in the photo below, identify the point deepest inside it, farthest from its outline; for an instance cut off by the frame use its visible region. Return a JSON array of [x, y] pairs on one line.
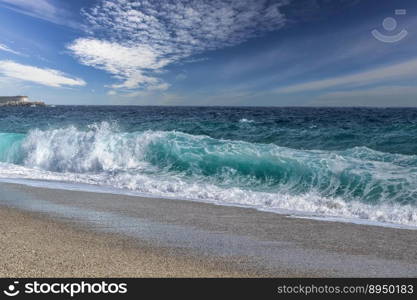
[[352, 164]]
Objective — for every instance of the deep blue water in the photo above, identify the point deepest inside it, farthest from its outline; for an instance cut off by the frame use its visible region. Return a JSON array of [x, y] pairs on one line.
[[387, 130], [349, 162]]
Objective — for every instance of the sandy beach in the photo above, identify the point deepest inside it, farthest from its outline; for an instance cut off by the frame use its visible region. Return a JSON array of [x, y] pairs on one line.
[[49, 232], [39, 247]]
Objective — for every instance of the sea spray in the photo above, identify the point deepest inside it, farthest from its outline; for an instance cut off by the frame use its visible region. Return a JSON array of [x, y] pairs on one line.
[[355, 183]]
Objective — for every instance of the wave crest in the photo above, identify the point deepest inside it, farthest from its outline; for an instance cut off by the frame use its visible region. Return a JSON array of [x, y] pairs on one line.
[[358, 182]]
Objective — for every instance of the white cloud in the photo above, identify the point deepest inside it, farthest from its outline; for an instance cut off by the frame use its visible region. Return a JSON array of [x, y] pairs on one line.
[[41, 9], [48, 77], [379, 96], [134, 40], [380, 75], [127, 63], [7, 49], [36, 6]]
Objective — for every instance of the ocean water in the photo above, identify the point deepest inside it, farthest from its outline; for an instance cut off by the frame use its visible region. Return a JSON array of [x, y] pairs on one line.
[[353, 163]]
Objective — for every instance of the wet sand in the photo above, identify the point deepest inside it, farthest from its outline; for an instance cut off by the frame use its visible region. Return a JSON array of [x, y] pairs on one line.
[[49, 232], [32, 246]]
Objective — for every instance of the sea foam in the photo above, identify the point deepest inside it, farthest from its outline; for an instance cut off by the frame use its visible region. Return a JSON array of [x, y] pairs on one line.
[[355, 183]]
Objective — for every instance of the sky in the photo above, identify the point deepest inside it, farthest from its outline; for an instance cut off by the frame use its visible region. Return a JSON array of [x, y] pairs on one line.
[[210, 52]]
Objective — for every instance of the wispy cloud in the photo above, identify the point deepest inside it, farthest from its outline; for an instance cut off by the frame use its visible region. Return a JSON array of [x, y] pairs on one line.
[[7, 49], [40, 9], [379, 96], [153, 34], [47, 77], [379, 75]]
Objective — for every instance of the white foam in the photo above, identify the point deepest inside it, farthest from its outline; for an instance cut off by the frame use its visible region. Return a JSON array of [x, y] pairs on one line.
[[246, 121], [104, 157], [309, 204], [99, 148]]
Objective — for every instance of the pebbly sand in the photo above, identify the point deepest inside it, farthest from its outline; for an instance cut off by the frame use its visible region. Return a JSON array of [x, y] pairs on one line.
[[61, 233]]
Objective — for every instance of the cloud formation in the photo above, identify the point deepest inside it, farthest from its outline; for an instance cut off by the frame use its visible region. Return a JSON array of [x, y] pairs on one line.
[[134, 40], [126, 63], [47, 77], [379, 97], [40, 9], [399, 71], [7, 49]]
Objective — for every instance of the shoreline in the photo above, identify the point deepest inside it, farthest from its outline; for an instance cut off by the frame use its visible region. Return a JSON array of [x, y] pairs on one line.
[[84, 187], [198, 239]]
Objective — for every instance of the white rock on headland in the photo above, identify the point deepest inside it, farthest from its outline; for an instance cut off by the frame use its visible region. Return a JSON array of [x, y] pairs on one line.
[[19, 101]]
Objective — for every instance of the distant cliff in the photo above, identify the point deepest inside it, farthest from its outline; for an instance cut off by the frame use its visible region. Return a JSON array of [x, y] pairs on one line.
[[19, 101]]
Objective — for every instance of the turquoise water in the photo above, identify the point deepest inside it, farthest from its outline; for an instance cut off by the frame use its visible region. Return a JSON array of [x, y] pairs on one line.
[[350, 163]]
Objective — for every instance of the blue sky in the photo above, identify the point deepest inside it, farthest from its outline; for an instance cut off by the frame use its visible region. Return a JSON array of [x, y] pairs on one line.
[[210, 52]]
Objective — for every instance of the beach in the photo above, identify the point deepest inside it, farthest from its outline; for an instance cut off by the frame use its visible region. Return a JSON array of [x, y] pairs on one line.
[[32, 246], [51, 232]]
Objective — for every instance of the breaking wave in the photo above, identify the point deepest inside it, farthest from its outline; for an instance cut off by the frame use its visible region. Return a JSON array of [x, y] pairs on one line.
[[354, 183]]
